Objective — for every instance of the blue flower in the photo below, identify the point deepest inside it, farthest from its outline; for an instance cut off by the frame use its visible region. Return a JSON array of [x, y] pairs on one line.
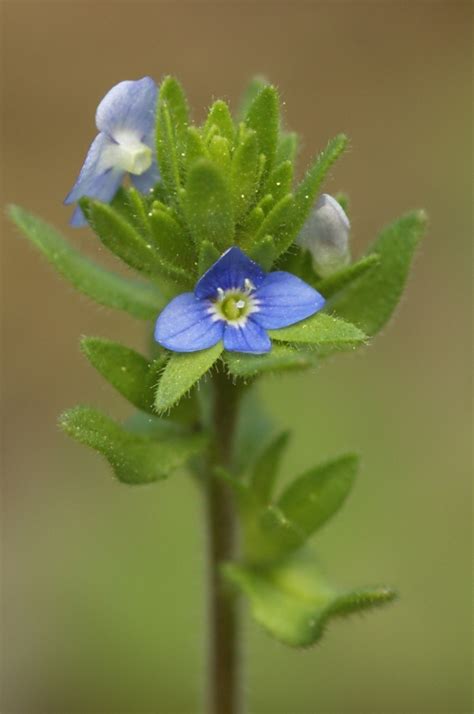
[[235, 301], [125, 119]]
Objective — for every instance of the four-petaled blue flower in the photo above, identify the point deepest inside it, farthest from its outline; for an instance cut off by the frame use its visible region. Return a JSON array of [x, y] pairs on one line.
[[235, 301], [125, 119]]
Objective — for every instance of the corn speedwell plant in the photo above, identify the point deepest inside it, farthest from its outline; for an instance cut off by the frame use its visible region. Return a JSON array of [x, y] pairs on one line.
[[243, 271]]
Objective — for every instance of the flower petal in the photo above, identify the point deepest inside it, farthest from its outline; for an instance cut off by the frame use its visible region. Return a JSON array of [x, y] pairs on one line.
[[285, 299], [144, 182], [129, 106], [326, 235], [99, 161], [229, 272], [185, 325], [246, 338]]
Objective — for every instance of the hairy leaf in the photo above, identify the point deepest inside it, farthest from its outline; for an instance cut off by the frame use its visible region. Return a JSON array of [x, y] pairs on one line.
[[294, 603], [252, 90], [371, 300], [139, 299], [134, 459], [181, 373], [323, 332], [208, 205], [263, 116], [343, 278], [172, 93], [263, 252], [220, 117], [167, 151], [120, 237], [280, 180], [128, 371], [287, 147], [314, 497], [281, 357], [245, 172]]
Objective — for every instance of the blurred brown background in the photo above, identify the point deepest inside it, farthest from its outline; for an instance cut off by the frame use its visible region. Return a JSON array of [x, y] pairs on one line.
[[102, 585]]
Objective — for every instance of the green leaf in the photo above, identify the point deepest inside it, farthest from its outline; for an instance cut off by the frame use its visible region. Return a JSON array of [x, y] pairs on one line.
[[323, 332], [287, 147], [306, 193], [120, 237], [139, 299], [134, 459], [371, 300], [245, 173], [195, 147], [253, 89], [208, 205], [181, 373], [167, 151], [343, 278], [263, 117], [280, 180], [314, 497], [172, 93], [294, 603], [208, 255], [219, 151], [278, 223], [265, 470], [176, 250], [281, 357], [129, 372], [263, 252], [220, 117]]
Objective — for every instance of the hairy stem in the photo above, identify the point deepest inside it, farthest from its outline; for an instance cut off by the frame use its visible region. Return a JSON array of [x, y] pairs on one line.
[[223, 683]]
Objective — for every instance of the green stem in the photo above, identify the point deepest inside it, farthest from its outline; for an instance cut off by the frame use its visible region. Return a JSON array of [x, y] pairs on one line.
[[224, 632]]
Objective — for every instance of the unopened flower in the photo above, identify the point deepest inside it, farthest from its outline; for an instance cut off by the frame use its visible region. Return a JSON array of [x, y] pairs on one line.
[[235, 301], [326, 236], [125, 119]]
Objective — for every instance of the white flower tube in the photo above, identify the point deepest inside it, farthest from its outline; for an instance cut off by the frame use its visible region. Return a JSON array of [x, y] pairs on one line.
[[326, 236]]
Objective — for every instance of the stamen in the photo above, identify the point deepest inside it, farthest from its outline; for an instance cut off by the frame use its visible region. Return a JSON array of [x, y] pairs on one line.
[[220, 293], [248, 285]]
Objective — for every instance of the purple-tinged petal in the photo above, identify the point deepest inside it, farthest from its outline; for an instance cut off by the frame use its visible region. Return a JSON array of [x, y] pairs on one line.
[[102, 188], [285, 299], [185, 325], [129, 106], [229, 272], [99, 161], [144, 182], [249, 337]]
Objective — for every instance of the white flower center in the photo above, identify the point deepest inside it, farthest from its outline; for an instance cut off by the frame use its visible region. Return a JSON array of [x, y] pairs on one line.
[[129, 153], [235, 304]]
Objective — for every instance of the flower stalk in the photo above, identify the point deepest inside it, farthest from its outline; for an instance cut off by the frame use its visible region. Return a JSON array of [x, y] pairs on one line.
[[223, 695]]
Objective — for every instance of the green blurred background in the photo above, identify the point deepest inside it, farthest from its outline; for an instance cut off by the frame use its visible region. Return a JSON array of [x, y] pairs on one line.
[[102, 584]]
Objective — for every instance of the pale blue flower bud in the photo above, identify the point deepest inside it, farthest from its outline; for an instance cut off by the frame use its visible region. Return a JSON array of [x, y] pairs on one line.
[[326, 236]]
